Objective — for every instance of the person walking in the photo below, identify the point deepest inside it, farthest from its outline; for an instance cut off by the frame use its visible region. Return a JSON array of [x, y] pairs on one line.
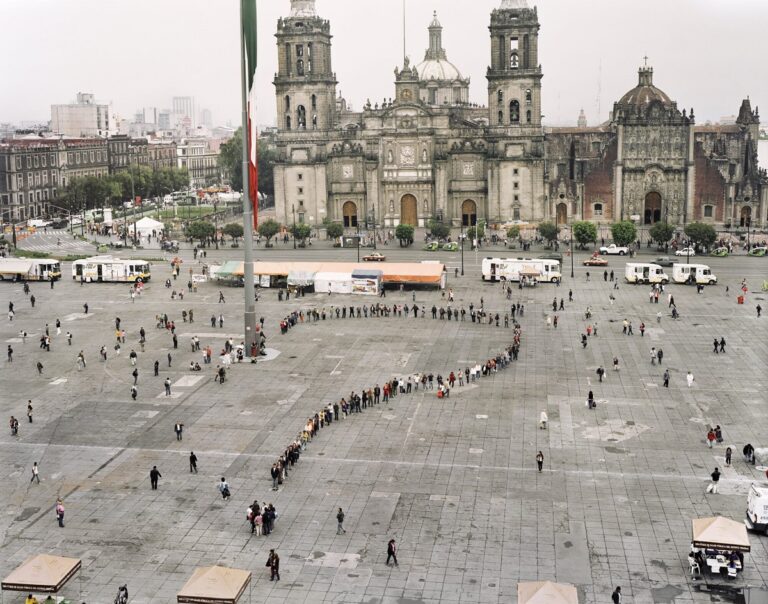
[[392, 552], [273, 562], [192, 463], [759, 309], [29, 410], [167, 384], [616, 595], [340, 522], [540, 460], [60, 512], [689, 379], [154, 474], [10, 354], [224, 489], [666, 378], [653, 355], [35, 473], [178, 428], [710, 438], [134, 392], [722, 345], [728, 453], [712, 487], [135, 374], [716, 346]]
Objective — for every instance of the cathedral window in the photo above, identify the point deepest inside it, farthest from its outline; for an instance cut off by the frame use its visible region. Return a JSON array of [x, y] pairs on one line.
[[515, 213], [528, 116], [287, 122], [300, 67], [433, 96], [309, 57], [514, 112], [301, 117], [514, 60], [528, 96], [500, 97], [598, 209], [314, 122], [708, 211], [501, 117], [314, 102], [287, 103]]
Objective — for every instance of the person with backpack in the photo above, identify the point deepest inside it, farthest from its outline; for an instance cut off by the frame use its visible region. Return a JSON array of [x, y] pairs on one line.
[[224, 489]]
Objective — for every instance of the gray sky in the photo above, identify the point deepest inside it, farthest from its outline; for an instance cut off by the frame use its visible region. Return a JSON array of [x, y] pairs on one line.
[[708, 54]]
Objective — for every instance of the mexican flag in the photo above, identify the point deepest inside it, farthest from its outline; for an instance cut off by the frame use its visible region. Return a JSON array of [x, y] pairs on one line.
[[248, 25]]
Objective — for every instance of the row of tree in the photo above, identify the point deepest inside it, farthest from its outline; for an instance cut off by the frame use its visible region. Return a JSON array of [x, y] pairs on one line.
[[625, 233], [97, 191]]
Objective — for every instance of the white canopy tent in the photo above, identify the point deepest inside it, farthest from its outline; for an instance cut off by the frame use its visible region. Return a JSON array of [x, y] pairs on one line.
[[145, 226], [338, 283], [546, 592], [720, 533]]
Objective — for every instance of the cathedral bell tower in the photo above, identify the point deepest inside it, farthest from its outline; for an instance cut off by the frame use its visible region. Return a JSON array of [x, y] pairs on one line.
[[514, 77], [305, 85]]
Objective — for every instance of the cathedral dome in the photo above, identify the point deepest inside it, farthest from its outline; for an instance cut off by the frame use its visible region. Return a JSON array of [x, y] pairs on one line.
[[645, 92], [437, 69]]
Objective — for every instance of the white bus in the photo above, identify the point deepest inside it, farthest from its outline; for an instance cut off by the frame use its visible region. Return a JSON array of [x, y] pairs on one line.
[[641, 272], [700, 274], [110, 270], [510, 269], [30, 269]]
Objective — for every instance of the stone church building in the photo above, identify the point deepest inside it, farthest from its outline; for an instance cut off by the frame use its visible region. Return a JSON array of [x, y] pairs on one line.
[[428, 152]]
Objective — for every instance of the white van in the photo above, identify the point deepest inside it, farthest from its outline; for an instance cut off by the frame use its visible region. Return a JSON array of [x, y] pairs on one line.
[[757, 508], [509, 269], [641, 272], [699, 274]]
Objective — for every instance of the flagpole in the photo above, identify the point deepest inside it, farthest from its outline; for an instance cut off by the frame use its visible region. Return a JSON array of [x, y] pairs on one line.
[[250, 292]]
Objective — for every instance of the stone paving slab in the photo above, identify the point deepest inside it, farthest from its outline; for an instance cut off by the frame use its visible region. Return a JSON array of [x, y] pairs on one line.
[[453, 480]]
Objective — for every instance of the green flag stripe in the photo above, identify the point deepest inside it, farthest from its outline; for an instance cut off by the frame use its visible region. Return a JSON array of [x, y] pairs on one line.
[[250, 36]]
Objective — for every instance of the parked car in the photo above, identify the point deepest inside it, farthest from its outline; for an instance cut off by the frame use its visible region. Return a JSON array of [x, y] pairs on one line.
[[720, 251], [451, 246], [375, 257], [664, 261], [686, 251], [431, 247], [758, 251], [595, 261], [614, 249]]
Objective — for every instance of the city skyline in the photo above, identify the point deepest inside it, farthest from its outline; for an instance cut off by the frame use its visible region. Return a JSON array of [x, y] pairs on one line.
[[592, 78]]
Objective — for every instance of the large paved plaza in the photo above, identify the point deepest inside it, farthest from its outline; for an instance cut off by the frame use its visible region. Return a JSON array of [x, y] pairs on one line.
[[454, 480]]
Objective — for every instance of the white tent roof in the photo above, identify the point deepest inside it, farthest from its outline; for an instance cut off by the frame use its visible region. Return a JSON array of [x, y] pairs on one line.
[[327, 276], [16, 265], [214, 585], [149, 223], [546, 592], [42, 573], [720, 533]]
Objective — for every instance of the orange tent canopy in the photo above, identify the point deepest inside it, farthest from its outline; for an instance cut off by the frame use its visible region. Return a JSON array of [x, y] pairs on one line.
[[42, 573]]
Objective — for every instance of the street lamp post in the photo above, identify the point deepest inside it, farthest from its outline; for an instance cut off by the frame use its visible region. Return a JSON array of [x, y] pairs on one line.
[[358, 239], [462, 245], [374, 226], [293, 210], [572, 250], [133, 202]]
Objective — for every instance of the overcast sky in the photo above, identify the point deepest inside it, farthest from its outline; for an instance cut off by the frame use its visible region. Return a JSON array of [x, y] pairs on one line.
[[708, 54]]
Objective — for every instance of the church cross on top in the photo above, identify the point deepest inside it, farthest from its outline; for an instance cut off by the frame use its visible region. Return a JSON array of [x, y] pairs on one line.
[[645, 61]]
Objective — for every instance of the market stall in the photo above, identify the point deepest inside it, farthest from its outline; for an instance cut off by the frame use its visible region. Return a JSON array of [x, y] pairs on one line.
[[336, 283], [529, 276], [718, 545], [42, 573], [215, 585], [546, 592]]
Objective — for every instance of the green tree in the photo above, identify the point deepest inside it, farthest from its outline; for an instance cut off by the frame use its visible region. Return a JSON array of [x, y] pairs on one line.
[[301, 232], [623, 233], [661, 232], [584, 232], [701, 234], [234, 230], [334, 230], [549, 231], [404, 232], [268, 229], [438, 229], [231, 163], [200, 230], [513, 232]]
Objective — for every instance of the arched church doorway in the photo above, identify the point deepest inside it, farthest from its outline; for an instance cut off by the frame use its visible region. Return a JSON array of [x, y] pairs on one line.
[[745, 219], [408, 210], [349, 211], [468, 213], [652, 212], [562, 214]]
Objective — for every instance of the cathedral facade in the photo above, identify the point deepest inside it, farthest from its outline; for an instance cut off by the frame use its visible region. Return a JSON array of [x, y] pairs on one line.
[[429, 153]]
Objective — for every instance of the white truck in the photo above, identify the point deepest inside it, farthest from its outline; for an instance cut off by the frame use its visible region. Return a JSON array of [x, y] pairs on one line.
[[757, 508], [513, 269], [613, 250], [641, 272], [699, 274]]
